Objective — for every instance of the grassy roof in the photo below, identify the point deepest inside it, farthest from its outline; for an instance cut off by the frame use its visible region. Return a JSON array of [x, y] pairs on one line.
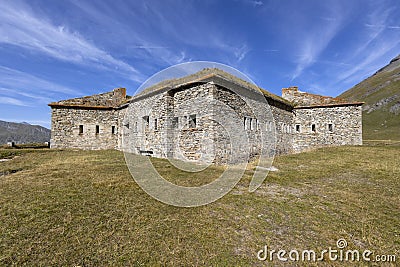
[[207, 73]]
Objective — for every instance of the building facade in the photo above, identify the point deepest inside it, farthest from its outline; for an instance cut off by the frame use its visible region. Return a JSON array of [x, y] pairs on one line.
[[209, 116]]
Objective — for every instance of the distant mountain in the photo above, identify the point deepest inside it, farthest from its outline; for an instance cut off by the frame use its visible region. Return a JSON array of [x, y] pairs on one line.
[[381, 94], [23, 133]]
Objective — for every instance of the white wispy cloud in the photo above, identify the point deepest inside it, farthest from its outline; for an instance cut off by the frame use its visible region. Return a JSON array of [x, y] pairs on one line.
[[254, 3], [197, 32], [241, 52], [37, 97], [313, 45], [371, 62], [374, 46], [15, 79], [19, 26], [312, 42], [257, 3], [22, 85], [12, 101], [141, 41]]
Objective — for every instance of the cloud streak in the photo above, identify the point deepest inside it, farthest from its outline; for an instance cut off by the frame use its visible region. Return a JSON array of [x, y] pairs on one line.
[[17, 83], [20, 27], [374, 45], [12, 101], [312, 46]]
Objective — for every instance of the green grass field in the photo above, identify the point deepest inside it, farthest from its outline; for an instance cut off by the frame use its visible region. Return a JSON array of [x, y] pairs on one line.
[[82, 208]]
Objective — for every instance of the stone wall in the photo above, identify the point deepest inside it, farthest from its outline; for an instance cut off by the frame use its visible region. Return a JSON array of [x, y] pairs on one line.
[[194, 122], [327, 126], [110, 99], [306, 99], [76, 128], [160, 124], [283, 121]]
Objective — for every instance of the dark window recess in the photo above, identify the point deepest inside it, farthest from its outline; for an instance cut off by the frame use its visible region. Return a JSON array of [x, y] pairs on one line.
[[184, 122], [330, 127], [155, 124], [175, 122], [80, 129], [127, 125], [146, 121], [192, 121], [313, 128], [112, 129], [297, 128], [97, 129]]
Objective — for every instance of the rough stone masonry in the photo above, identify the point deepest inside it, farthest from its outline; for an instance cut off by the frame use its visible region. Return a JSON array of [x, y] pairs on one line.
[[190, 118]]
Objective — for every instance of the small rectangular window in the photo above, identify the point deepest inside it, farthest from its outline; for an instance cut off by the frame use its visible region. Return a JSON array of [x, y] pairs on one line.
[[297, 128], [175, 122], [255, 122], [146, 122], [97, 129], [269, 126], [313, 128], [112, 129], [330, 127], [251, 123], [192, 121], [184, 121], [80, 129], [156, 124]]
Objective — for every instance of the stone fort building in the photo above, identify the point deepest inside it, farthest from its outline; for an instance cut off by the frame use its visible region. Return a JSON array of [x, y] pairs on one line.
[[193, 118]]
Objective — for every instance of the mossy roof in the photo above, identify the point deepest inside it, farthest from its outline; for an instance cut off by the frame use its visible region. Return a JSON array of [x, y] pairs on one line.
[[206, 75]]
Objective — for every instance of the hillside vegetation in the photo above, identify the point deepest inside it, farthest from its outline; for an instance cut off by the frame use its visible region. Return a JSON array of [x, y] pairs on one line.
[[381, 94], [82, 208], [22, 133]]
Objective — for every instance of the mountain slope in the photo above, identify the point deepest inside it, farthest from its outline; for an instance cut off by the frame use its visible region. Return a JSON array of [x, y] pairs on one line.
[[22, 133], [381, 94]]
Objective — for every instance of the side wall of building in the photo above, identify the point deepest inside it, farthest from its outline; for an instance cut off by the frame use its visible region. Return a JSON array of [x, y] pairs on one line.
[[173, 124], [283, 123], [327, 126], [160, 125], [84, 128]]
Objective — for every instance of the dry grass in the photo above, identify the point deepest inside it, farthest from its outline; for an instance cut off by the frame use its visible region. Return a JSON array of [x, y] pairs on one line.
[[83, 208]]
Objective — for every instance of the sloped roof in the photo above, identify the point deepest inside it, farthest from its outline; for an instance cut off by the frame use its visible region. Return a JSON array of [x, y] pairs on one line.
[[308, 100], [109, 100], [215, 75]]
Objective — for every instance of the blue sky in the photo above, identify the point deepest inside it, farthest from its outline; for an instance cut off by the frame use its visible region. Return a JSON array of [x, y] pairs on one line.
[[53, 50]]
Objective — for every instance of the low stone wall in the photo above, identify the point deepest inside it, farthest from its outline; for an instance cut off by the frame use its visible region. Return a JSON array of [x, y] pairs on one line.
[[76, 128], [109, 99], [306, 99], [327, 126]]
